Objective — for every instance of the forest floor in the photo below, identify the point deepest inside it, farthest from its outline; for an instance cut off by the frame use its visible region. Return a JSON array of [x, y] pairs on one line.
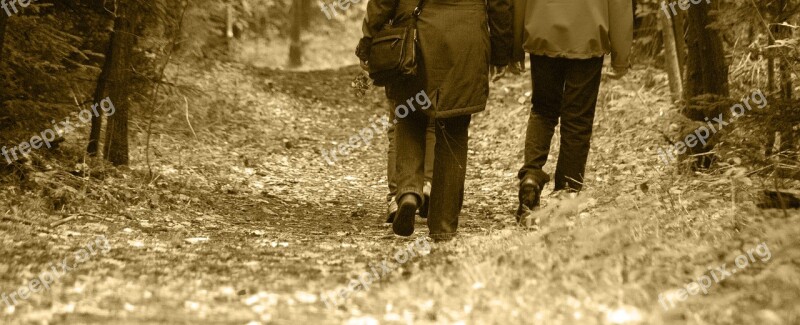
[[244, 222]]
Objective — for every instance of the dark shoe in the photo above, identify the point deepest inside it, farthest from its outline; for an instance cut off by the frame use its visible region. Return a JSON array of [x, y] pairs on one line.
[[403, 224], [391, 210], [529, 196], [426, 192]]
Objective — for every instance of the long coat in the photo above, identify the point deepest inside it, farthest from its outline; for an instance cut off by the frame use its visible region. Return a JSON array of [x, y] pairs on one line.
[[458, 40]]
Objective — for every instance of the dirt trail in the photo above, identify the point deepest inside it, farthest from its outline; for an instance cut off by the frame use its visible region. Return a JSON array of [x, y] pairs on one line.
[[281, 224], [247, 223]]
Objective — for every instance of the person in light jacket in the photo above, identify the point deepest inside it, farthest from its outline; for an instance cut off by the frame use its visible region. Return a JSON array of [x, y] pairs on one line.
[[567, 41], [459, 42]]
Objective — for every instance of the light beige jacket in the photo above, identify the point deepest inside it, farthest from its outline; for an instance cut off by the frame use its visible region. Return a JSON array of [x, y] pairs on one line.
[[578, 29]]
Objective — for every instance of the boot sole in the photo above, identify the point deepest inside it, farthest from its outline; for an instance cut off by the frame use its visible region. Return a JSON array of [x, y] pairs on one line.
[[403, 224]]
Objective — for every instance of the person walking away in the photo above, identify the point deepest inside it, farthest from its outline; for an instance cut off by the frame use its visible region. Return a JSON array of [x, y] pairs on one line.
[[458, 40], [567, 41]]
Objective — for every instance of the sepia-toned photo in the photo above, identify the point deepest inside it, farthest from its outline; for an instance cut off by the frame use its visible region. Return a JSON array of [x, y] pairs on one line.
[[366, 162]]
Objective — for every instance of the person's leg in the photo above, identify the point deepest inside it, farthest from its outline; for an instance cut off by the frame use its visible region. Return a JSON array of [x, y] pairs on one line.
[[410, 168], [391, 164], [449, 172], [577, 116], [391, 161], [548, 77], [430, 144]]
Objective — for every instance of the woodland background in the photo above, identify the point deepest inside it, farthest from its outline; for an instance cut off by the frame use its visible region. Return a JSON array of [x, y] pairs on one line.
[[209, 184], [60, 55]]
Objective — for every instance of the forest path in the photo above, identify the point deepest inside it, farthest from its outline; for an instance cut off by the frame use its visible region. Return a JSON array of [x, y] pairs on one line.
[[247, 223]]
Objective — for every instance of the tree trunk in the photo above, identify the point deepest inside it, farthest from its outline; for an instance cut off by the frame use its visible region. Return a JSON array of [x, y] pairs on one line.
[[119, 82], [707, 71], [795, 34], [3, 21], [679, 30], [671, 58], [99, 95], [786, 71], [771, 63], [229, 29], [296, 46]]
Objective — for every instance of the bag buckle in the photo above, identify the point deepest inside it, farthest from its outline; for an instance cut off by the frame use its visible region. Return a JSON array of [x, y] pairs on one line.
[[417, 11]]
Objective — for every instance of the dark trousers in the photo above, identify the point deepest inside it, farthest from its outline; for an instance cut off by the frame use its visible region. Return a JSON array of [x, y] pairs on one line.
[[449, 167], [391, 160], [564, 89]]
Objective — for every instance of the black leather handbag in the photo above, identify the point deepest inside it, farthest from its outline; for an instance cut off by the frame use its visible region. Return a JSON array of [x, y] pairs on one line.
[[393, 54]]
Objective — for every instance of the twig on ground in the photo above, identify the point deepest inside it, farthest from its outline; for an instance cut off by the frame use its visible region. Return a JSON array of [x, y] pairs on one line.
[[98, 217], [187, 117], [10, 218], [757, 171], [63, 221], [639, 96]]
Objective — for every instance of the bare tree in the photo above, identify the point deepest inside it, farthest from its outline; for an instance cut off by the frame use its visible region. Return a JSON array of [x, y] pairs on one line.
[[671, 57], [781, 11], [3, 21], [99, 94], [299, 21], [679, 29], [707, 70], [119, 80]]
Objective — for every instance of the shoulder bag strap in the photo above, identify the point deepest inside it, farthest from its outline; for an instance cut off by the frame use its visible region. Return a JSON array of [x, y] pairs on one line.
[[418, 9]]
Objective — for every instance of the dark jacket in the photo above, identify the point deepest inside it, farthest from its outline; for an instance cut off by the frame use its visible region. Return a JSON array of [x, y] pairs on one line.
[[458, 40]]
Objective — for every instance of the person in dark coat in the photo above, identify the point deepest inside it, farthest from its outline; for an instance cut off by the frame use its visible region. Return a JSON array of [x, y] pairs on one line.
[[459, 42]]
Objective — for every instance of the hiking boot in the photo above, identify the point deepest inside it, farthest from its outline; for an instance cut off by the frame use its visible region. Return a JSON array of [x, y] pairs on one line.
[[426, 193], [391, 210], [529, 196], [403, 224]]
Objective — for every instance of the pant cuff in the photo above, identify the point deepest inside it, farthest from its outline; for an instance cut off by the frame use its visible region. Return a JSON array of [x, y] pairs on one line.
[[442, 237], [418, 193], [538, 176]]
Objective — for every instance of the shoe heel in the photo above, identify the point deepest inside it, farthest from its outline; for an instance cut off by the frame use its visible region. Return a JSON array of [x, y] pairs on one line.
[[391, 211], [423, 209], [426, 193], [403, 224]]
